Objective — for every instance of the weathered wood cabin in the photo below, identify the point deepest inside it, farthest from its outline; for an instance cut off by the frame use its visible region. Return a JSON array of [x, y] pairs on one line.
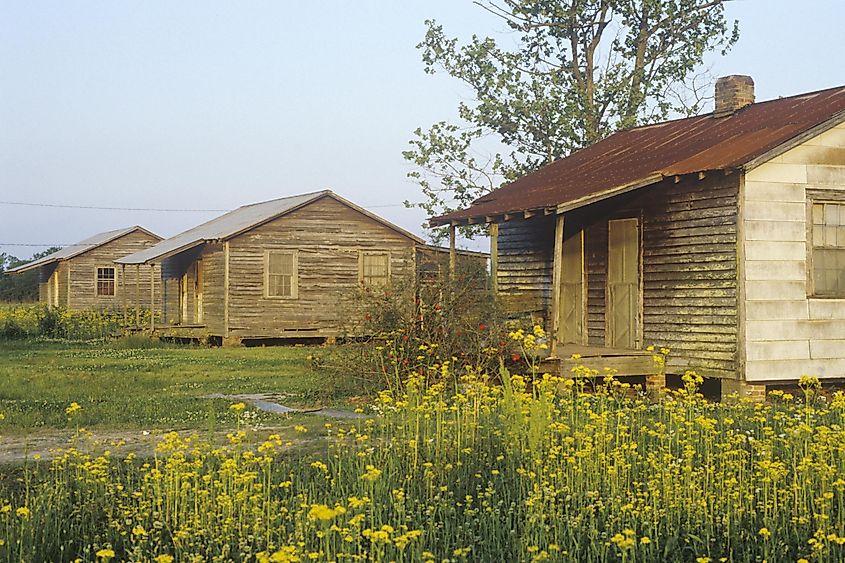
[[721, 237], [83, 275], [276, 269]]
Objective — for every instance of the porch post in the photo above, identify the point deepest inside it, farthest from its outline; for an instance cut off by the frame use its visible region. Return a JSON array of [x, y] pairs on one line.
[[123, 295], [494, 258], [137, 296], [453, 258], [164, 321], [556, 280], [225, 290], [152, 298]]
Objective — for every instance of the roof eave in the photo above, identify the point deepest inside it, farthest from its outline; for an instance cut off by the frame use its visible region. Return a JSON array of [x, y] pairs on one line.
[[127, 261], [562, 207], [31, 266]]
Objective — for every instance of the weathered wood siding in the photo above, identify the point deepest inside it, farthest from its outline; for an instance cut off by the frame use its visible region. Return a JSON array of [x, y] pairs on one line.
[[595, 250], [80, 289], [526, 248], [787, 332], [690, 273], [213, 302], [327, 236], [62, 271]]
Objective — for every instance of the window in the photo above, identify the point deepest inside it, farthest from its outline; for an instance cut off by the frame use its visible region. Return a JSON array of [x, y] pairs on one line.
[[374, 268], [105, 281], [280, 274], [828, 253]]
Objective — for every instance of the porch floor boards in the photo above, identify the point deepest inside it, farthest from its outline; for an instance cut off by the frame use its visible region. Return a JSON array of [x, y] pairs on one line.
[[622, 361]]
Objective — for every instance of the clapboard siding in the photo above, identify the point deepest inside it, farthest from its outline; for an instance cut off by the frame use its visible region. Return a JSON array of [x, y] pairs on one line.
[[689, 269], [524, 276], [787, 331], [595, 242], [327, 237]]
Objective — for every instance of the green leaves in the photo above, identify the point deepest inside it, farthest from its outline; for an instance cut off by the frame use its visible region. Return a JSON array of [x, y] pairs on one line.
[[577, 71]]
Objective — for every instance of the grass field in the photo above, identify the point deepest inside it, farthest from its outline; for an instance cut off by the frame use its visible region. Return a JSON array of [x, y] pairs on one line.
[[133, 384]]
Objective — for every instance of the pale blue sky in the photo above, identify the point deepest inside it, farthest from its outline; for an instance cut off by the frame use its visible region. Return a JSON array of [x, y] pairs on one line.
[[208, 104]]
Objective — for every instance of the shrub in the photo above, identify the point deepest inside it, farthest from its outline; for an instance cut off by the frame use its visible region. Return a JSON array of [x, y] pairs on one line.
[[420, 327]]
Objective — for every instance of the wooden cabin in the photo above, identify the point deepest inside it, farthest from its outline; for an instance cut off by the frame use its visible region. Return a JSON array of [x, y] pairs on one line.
[[83, 275], [720, 237], [277, 269]]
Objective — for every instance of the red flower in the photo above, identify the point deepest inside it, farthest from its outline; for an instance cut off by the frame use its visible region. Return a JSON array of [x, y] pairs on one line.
[[516, 357], [482, 326], [367, 317]]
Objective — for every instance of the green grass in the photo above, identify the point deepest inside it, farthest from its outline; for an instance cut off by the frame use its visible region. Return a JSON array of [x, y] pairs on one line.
[[134, 383]]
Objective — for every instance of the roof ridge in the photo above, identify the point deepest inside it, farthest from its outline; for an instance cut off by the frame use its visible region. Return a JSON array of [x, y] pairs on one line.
[[315, 193], [710, 114]]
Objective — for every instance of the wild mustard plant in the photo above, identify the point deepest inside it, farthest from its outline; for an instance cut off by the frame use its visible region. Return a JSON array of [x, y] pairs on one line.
[[458, 469]]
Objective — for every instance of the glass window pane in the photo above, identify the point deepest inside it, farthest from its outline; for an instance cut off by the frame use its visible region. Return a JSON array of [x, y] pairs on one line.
[[831, 215], [818, 214]]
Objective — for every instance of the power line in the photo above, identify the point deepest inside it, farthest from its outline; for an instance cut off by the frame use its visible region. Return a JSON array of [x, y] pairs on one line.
[[34, 244], [157, 209], [64, 206]]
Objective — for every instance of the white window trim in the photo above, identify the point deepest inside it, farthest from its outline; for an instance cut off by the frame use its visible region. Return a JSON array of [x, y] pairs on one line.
[[362, 253], [294, 285], [97, 294], [814, 197]]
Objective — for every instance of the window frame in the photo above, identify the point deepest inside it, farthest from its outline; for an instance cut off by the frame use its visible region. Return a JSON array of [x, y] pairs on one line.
[[361, 277], [819, 197], [97, 293], [294, 284]]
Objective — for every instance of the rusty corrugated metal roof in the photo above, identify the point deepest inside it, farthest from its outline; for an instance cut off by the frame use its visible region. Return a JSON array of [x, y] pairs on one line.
[[644, 155]]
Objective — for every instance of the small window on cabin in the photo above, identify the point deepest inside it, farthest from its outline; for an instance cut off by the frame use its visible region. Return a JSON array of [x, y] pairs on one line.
[[374, 269], [105, 281], [828, 256], [281, 274]]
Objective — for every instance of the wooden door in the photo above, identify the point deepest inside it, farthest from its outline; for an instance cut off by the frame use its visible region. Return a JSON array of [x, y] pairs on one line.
[[623, 284], [572, 281], [183, 299], [53, 289], [198, 293]]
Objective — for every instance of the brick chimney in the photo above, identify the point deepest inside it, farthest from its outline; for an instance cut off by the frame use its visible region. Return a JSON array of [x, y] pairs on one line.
[[733, 93]]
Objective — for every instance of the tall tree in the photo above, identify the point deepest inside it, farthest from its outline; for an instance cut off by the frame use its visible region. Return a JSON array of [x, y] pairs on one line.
[[579, 70]]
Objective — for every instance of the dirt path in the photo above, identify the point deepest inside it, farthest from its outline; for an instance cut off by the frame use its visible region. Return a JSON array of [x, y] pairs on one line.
[[47, 444]]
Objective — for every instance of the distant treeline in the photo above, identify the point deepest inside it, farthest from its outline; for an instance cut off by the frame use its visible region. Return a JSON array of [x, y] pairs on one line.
[[22, 287]]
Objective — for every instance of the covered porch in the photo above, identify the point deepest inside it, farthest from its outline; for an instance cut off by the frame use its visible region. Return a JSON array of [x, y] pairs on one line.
[[610, 277]]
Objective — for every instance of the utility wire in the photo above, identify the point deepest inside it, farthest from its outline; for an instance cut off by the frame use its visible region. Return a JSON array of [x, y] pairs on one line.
[[104, 208], [63, 206], [33, 244]]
